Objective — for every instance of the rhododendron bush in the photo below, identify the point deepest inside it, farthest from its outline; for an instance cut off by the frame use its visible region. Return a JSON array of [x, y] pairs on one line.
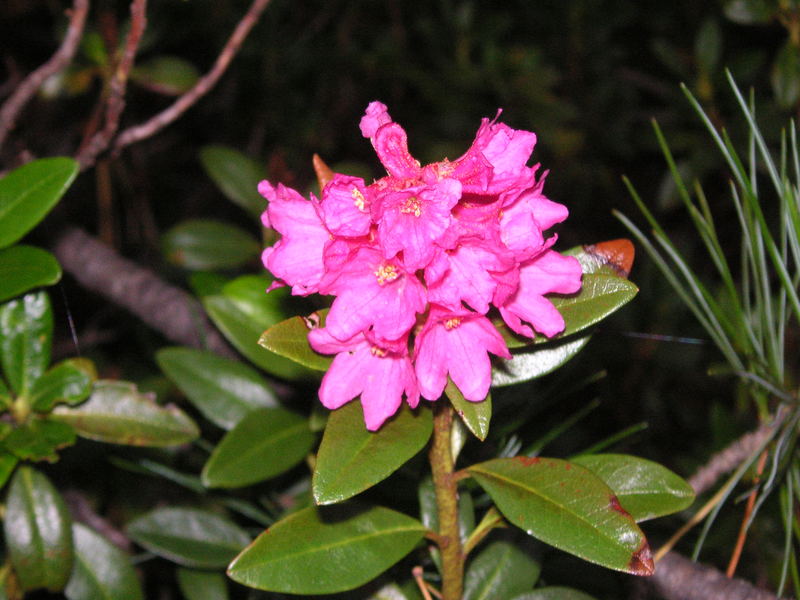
[[435, 273]]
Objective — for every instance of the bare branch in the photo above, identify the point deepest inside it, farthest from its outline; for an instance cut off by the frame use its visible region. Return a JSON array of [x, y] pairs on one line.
[[62, 57], [166, 308], [678, 578], [731, 457], [201, 88], [115, 102]]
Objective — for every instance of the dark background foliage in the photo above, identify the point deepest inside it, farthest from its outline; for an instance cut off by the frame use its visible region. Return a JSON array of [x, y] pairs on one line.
[[587, 76]]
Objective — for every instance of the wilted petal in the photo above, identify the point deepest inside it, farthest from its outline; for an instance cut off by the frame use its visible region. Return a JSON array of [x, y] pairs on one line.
[[391, 145]]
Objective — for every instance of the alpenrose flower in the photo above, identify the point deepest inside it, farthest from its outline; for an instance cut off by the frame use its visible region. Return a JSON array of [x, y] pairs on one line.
[[415, 262]]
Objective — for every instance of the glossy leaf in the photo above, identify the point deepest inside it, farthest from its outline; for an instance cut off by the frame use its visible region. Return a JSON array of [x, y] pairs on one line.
[[243, 333], [566, 506], [503, 568], [189, 537], [249, 294], [168, 75], [352, 459], [118, 413], [343, 548], [289, 338], [223, 390], [102, 571], [69, 382], [202, 585], [264, 444], [23, 268], [236, 175], [38, 532], [26, 335], [537, 361], [208, 244], [476, 415], [644, 488], [39, 439], [601, 295], [28, 193], [555, 593]]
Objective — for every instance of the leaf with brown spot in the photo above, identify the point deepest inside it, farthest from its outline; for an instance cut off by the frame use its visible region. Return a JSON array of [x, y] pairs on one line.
[[567, 508]]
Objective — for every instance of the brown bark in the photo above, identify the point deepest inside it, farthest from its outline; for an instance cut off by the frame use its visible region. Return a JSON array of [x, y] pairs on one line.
[[164, 307], [678, 578]]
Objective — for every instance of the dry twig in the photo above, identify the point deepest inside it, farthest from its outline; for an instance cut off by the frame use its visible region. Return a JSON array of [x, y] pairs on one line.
[[62, 57], [155, 124], [115, 103]]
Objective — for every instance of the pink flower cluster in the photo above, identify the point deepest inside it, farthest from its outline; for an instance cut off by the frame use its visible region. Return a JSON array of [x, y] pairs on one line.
[[416, 260]]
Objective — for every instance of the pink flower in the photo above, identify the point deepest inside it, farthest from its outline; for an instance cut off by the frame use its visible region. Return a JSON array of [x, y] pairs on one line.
[[456, 343], [548, 273], [448, 242], [374, 294], [297, 257], [381, 375]]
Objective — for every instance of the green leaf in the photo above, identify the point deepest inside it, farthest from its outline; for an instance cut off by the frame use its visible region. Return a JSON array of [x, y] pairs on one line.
[[70, 382], [243, 333], [102, 571], [200, 244], [7, 463], [189, 537], [289, 338], [555, 593], [476, 415], [168, 75], [342, 548], [39, 439], [202, 585], [352, 459], [644, 488], [785, 76], [117, 413], [38, 532], [249, 294], [505, 567], [26, 336], [28, 193], [601, 295], [236, 175], [264, 444], [223, 390], [537, 361], [566, 506], [23, 268]]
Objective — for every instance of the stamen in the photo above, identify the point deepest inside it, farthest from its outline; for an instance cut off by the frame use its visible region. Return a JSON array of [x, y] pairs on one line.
[[359, 200], [411, 206], [452, 323], [379, 352], [386, 273]]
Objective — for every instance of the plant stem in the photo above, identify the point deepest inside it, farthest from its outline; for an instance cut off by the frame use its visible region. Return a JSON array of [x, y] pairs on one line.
[[446, 487]]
